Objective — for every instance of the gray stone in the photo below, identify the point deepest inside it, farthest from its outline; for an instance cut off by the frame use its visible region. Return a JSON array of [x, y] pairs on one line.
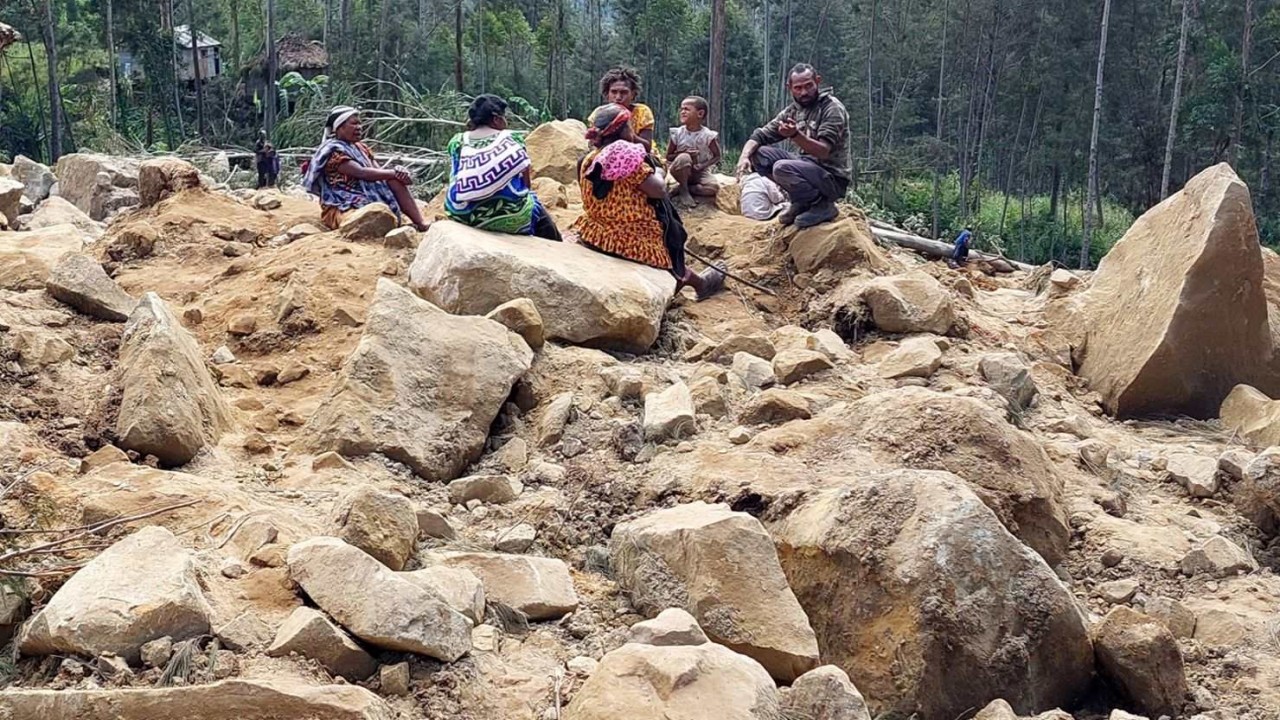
[[1011, 377], [672, 626], [394, 679], [141, 588], [756, 372], [825, 693], [310, 634], [554, 418], [374, 603], [541, 588], [1176, 616], [1198, 474], [433, 524], [669, 414], [516, 539], [460, 588], [492, 489], [1140, 656], [1118, 592], [79, 281], [1218, 557]]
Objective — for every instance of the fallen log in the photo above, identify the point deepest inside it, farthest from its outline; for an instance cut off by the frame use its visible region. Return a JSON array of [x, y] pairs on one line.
[[940, 250]]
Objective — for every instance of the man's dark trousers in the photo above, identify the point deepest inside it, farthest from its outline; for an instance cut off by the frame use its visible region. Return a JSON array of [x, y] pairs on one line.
[[804, 180]]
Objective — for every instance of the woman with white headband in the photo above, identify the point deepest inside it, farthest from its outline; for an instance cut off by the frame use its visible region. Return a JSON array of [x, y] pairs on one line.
[[344, 175]]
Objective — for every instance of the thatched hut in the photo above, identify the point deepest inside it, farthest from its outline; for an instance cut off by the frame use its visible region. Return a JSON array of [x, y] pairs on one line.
[[308, 58]]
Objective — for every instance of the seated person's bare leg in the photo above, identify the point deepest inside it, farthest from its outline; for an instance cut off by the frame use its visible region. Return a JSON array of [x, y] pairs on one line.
[[706, 187], [682, 171], [408, 205]]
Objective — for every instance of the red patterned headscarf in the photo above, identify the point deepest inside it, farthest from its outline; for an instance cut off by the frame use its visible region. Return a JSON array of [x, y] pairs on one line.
[[609, 120]]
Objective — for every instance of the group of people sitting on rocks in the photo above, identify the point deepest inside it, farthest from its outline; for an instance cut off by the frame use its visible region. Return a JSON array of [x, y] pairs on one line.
[[628, 211]]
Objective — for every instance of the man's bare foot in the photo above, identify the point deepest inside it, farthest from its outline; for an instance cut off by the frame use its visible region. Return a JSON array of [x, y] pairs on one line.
[[685, 200]]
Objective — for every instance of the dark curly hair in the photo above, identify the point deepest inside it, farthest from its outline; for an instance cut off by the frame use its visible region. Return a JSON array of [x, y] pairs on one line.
[[484, 109], [621, 73]]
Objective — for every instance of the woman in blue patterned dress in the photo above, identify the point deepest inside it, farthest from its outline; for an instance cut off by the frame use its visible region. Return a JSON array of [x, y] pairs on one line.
[[489, 178]]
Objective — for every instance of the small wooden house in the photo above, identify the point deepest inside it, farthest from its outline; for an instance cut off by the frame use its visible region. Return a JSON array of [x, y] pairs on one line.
[[208, 49], [308, 58]]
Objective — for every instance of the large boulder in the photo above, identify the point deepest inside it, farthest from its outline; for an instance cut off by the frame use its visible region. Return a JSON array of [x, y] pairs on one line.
[[59, 211], [539, 587], [1176, 316], [27, 258], [97, 184], [374, 603], [584, 297], [10, 197], [911, 303], [170, 406], [842, 245], [1140, 656], [159, 178], [555, 149], [239, 699], [1251, 414], [695, 557], [913, 585], [682, 682], [79, 281], [421, 387], [928, 430], [141, 588], [1257, 495], [37, 179]]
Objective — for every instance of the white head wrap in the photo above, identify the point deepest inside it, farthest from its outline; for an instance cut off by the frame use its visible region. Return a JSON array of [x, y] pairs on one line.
[[338, 116]]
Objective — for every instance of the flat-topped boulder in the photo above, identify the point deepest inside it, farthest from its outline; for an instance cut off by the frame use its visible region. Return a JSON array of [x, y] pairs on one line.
[[239, 699], [555, 149], [97, 184], [584, 297], [27, 258], [57, 210]]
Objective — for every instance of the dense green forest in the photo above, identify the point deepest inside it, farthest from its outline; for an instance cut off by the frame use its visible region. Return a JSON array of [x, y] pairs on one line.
[[979, 111]]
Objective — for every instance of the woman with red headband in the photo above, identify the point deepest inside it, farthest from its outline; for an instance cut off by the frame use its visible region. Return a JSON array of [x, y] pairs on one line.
[[627, 212]]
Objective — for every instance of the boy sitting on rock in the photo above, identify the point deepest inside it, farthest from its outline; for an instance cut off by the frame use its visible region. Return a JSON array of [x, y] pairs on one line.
[[692, 151]]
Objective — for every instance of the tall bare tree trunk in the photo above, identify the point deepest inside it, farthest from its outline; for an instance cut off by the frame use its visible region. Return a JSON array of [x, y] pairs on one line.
[[1177, 100], [344, 20], [942, 69], [786, 46], [768, 73], [196, 69], [111, 60], [715, 69], [1086, 238], [384, 20], [236, 57], [1246, 44], [272, 96], [457, 46], [484, 58], [55, 92], [871, 123]]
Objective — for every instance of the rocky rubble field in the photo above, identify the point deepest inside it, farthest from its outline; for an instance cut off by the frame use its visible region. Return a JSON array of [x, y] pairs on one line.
[[256, 470]]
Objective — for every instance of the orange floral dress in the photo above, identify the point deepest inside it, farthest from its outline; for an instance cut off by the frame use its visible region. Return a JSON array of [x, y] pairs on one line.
[[623, 223]]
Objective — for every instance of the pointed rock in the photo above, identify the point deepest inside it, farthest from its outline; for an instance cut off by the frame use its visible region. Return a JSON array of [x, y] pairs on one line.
[[170, 406], [1175, 315], [310, 634]]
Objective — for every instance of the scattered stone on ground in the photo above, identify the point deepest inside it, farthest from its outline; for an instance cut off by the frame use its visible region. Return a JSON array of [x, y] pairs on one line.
[[1218, 557], [539, 587], [672, 626], [669, 414], [1141, 657], [825, 693], [310, 634], [383, 524]]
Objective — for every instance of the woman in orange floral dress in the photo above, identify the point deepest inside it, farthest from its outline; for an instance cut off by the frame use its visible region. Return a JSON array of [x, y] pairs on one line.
[[626, 210]]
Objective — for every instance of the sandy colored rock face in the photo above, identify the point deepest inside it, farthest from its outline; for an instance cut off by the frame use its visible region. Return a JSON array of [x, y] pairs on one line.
[[841, 245], [142, 588], [583, 297], [644, 682], [555, 149], [695, 556], [422, 387], [79, 281], [1009, 376], [876, 582], [383, 524], [825, 693], [310, 634], [791, 366], [521, 317], [1005, 466], [672, 626], [37, 179], [56, 210], [374, 603], [10, 196], [27, 258], [461, 589], [911, 303], [78, 181], [914, 357], [170, 406], [1139, 654], [1257, 495], [160, 178], [774, 407], [1252, 414], [371, 222], [1176, 315], [240, 699], [669, 414], [541, 588]]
